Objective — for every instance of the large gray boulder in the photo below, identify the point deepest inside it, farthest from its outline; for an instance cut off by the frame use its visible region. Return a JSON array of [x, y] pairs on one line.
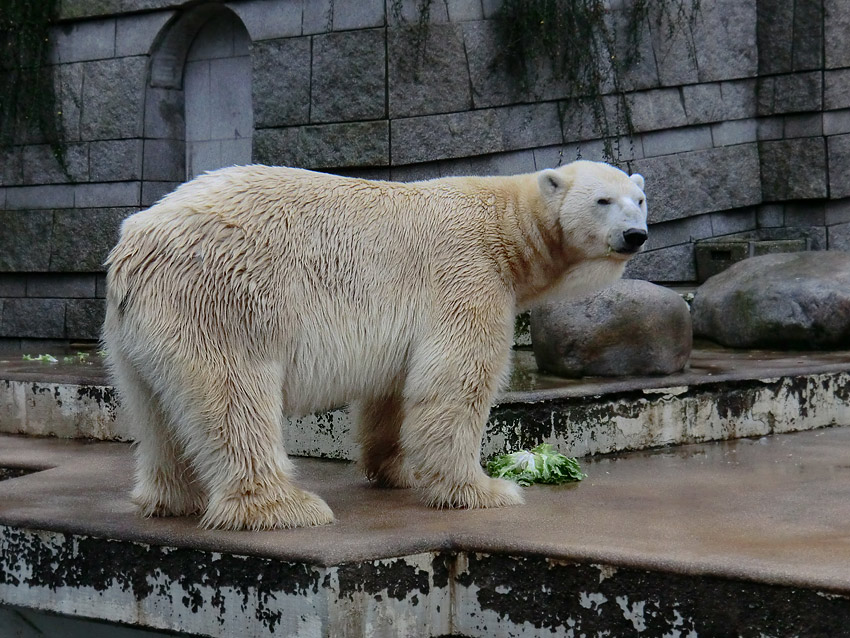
[[631, 328], [787, 300]]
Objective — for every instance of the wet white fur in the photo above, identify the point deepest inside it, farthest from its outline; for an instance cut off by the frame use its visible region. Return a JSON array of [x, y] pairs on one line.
[[254, 291]]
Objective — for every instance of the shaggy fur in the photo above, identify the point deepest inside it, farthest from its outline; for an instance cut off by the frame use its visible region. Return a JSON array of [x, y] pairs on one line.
[[254, 291]]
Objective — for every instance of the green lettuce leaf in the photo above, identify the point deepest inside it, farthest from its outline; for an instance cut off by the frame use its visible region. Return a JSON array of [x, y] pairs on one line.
[[541, 464]]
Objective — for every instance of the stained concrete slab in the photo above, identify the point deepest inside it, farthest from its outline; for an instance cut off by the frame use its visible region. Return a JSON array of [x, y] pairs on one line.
[[749, 538]]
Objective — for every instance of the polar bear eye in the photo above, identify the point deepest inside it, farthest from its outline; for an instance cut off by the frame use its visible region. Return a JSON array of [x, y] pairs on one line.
[[603, 201], [640, 202]]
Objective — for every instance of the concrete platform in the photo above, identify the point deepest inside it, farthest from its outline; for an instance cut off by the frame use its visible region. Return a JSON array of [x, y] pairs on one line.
[[743, 538], [724, 394]]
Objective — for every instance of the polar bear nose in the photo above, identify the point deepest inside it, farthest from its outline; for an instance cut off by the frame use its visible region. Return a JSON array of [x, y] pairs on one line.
[[634, 237]]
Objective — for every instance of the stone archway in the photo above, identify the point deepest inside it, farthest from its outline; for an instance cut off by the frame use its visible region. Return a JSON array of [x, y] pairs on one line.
[[198, 110]]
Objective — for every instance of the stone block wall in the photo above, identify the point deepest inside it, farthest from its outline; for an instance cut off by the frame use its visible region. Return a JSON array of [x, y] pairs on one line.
[[741, 123]]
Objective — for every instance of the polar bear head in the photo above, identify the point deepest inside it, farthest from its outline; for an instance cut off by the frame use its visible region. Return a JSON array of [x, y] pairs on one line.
[[601, 209]]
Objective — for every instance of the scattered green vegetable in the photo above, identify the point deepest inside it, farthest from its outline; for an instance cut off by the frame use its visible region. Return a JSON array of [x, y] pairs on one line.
[[80, 357], [541, 464], [44, 358]]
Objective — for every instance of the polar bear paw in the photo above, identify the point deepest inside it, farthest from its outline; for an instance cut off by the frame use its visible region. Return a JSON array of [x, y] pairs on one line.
[[167, 500], [481, 493], [292, 508]]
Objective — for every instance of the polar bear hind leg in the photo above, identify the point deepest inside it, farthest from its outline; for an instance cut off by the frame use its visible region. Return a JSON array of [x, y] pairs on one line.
[[378, 422], [231, 425], [165, 483]]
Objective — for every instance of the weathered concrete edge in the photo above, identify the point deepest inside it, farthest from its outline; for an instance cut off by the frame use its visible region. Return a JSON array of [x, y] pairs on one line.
[[438, 593], [627, 420]]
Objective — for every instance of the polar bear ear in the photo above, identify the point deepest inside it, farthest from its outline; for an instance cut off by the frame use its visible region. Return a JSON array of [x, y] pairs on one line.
[[637, 178], [552, 183]]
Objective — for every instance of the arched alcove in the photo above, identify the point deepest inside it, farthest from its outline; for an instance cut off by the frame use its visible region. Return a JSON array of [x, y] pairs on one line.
[[198, 108]]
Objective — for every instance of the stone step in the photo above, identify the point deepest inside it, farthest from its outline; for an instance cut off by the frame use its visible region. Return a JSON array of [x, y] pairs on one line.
[[724, 394], [741, 538]]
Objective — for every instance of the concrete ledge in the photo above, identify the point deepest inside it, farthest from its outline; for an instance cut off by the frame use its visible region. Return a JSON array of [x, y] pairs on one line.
[[714, 539], [724, 394]]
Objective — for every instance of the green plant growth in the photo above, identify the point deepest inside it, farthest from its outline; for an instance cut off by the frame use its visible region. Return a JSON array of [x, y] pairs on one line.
[[587, 48], [28, 102]]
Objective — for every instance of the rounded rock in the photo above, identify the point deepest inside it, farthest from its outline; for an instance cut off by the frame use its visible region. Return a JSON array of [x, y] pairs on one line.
[[631, 328], [784, 300]]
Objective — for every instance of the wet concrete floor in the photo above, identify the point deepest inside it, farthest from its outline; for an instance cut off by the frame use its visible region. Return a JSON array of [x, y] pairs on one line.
[[773, 510]]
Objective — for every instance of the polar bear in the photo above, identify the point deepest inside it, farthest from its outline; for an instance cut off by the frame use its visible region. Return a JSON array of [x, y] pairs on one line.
[[255, 291]]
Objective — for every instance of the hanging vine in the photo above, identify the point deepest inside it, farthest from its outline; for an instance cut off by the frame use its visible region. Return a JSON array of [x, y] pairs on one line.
[[28, 102], [587, 48]]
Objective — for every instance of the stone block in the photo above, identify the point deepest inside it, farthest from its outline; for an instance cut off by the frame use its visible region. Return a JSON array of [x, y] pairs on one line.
[[25, 240], [34, 318], [770, 216], [115, 160], [267, 20], [318, 17], [666, 265], [770, 128], [83, 237], [165, 116], [422, 139], [135, 34], [165, 160], [492, 84], [84, 318], [202, 156], [674, 50], [327, 146], [152, 192], [839, 166], [40, 197], [656, 109], [349, 76], [775, 36], [427, 75], [100, 285], [703, 103], [641, 71], [236, 152], [113, 98], [198, 109], [11, 168], [725, 40], [836, 122], [802, 214], [698, 182], [790, 93], [838, 237], [41, 166], [63, 286], [81, 41], [836, 28], [233, 116], [808, 40], [496, 164], [464, 10], [837, 211], [678, 231], [529, 125], [72, 9], [734, 132], [357, 14], [803, 125], [106, 195], [68, 86], [629, 328], [220, 37], [739, 99], [491, 7], [411, 12], [836, 89], [13, 285], [679, 140], [793, 169], [732, 221], [281, 82]]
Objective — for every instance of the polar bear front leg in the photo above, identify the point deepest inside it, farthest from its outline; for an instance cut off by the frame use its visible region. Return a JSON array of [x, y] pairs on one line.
[[448, 395], [234, 433]]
